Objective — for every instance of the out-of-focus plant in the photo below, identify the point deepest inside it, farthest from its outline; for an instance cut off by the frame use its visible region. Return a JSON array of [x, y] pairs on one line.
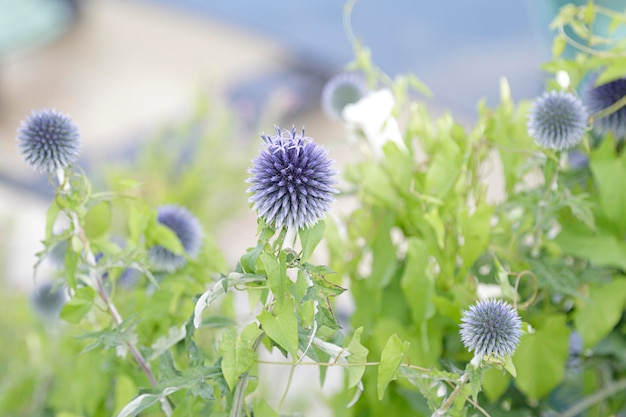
[[466, 300], [430, 236]]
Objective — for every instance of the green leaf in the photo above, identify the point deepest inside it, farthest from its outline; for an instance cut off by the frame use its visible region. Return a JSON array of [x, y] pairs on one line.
[[51, 216], [71, 263], [125, 389], [419, 86], [158, 234], [558, 46], [310, 237], [416, 283], [475, 231], [384, 261], [276, 274], [475, 379], [540, 357], [139, 404], [609, 171], [602, 248], [97, 220], [75, 309], [262, 409], [378, 186], [321, 288], [495, 383], [282, 327], [358, 354], [248, 261], [138, 219], [434, 220], [238, 352], [596, 316], [444, 168], [390, 360]]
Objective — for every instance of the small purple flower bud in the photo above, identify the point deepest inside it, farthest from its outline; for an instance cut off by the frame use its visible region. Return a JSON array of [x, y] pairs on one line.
[[188, 229], [599, 98], [341, 90]]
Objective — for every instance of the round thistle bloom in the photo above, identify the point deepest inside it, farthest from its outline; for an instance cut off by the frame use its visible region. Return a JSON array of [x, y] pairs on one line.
[[291, 180], [557, 120], [491, 327], [341, 90], [49, 140], [189, 231], [599, 98]]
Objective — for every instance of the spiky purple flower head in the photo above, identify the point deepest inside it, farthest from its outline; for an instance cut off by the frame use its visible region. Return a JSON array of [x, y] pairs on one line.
[[603, 96], [491, 327], [291, 180], [49, 140], [189, 231], [557, 120], [341, 90]]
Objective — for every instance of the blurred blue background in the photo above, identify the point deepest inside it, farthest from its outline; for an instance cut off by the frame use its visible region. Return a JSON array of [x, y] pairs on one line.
[[458, 48]]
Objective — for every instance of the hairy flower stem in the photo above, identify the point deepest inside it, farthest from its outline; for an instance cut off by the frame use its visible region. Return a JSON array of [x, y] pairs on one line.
[[551, 186], [112, 309], [441, 411]]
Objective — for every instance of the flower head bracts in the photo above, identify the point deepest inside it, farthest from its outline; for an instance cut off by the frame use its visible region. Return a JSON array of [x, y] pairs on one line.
[[603, 96], [340, 91], [491, 327], [49, 141], [557, 120], [189, 231], [291, 180]]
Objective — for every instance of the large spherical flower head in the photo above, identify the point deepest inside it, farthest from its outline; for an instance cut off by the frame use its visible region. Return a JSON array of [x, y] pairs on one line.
[[291, 181], [599, 98], [49, 140], [558, 120], [341, 90], [189, 231], [491, 327]]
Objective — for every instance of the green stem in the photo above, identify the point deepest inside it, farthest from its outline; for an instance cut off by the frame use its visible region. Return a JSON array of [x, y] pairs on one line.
[[445, 406], [551, 183], [242, 384], [282, 399], [595, 398], [113, 311]]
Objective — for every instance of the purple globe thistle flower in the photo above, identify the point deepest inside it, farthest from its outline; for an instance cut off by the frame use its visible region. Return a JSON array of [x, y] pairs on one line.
[[557, 120], [48, 300], [603, 96], [291, 181], [189, 231], [491, 327], [49, 141], [341, 90]]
